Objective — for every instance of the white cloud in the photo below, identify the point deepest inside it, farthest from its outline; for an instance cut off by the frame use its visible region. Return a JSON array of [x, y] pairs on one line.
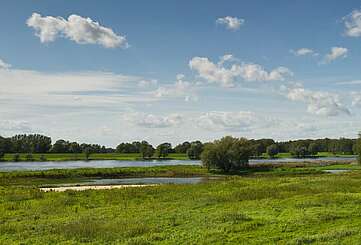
[[180, 89], [218, 73], [4, 65], [233, 121], [356, 98], [318, 103], [353, 24], [79, 29], [148, 83], [303, 52], [153, 121], [336, 53], [231, 23]]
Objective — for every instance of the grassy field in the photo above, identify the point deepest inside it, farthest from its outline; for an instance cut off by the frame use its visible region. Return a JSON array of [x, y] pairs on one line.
[[319, 154], [265, 205], [95, 156]]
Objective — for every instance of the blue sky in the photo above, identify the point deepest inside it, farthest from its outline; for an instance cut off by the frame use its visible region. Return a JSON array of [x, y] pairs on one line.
[[290, 69]]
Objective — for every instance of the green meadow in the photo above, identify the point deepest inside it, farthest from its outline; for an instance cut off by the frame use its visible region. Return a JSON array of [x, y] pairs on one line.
[[268, 204]]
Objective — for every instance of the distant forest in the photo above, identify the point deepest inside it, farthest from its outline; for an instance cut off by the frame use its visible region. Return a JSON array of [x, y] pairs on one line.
[[35, 143]]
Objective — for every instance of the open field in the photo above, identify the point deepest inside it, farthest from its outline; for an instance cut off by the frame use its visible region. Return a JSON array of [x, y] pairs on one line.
[[94, 156], [297, 205]]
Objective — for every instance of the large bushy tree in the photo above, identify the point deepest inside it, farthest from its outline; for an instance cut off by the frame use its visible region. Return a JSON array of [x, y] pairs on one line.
[[227, 154], [195, 150], [272, 150]]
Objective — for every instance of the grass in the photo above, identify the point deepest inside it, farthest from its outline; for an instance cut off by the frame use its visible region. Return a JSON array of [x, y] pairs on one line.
[[95, 156], [265, 205], [319, 154]]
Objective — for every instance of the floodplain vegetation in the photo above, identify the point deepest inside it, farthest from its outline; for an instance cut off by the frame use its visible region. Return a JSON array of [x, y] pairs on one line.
[[267, 204]]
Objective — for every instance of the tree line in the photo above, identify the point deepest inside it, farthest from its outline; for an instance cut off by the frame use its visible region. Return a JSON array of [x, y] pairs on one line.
[[36, 143]]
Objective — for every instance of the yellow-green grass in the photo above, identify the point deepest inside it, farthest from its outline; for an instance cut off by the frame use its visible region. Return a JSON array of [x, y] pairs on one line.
[[257, 208], [319, 154]]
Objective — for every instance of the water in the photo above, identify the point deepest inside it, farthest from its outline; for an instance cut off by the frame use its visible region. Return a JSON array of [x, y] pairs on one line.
[[18, 166], [336, 171]]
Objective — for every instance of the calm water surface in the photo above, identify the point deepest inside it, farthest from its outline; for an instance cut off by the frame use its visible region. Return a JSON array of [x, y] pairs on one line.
[[17, 166]]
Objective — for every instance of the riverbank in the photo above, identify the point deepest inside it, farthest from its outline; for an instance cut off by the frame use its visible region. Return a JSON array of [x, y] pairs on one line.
[[269, 204]]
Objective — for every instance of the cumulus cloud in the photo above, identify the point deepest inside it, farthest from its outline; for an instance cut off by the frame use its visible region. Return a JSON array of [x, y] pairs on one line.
[[76, 28], [318, 103], [153, 121], [353, 24], [4, 65], [303, 52], [227, 76], [336, 53], [180, 89], [231, 23], [233, 121]]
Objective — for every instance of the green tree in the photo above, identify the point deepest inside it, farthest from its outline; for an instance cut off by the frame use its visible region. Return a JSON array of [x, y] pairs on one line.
[[227, 154], [163, 150], [195, 150], [87, 152], [313, 148], [146, 149], [2, 154], [358, 143], [299, 151], [272, 150]]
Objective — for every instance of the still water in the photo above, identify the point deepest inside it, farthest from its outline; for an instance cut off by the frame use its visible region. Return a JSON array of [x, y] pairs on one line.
[[17, 166]]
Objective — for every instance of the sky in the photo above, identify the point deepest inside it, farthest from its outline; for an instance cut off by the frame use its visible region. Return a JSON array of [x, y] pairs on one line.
[[169, 71]]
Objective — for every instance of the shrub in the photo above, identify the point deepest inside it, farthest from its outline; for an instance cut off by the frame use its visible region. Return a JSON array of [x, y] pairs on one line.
[[226, 154]]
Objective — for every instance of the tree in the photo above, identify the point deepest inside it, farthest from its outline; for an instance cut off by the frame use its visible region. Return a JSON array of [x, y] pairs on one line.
[[272, 150], [163, 150], [358, 143], [182, 148], [226, 154], [2, 154], [299, 151], [313, 148], [195, 150], [87, 152], [146, 150]]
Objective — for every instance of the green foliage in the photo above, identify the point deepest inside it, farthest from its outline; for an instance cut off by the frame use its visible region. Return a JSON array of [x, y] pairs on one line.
[[163, 150], [146, 150], [272, 150], [299, 151], [195, 150], [227, 154], [182, 148], [87, 152], [313, 149], [358, 144]]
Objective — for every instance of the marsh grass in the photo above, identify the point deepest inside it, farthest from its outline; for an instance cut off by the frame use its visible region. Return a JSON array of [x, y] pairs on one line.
[[261, 207]]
